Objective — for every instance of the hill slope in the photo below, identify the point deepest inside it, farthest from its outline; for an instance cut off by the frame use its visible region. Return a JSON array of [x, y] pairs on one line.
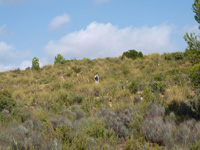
[[139, 103]]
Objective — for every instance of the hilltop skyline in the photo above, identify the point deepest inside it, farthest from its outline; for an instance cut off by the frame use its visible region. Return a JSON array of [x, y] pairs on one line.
[[90, 28]]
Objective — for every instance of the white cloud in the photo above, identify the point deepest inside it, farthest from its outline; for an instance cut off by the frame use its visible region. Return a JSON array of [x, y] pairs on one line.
[[6, 67], [8, 53], [25, 64], [59, 21], [9, 2], [190, 29], [101, 1], [5, 51], [106, 40]]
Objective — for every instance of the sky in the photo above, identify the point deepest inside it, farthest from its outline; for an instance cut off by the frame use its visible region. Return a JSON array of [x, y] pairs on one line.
[[90, 28]]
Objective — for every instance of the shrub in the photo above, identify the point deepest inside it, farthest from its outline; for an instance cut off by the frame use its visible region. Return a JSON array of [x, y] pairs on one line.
[[140, 144], [77, 99], [52, 144], [187, 133], [183, 110], [69, 73], [133, 87], [155, 110], [59, 59], [67, 85], [63, 98], [96, 129], [6, 101], [148, 95], [59, 121], [64, 134], [133, 54], [119, 122], [35, 63], [158, 86], [168, 57], [178, 55], [78, 111], [195, 75], [76, 69], [174, 56], [68, 113], [159, 77], [154, 128], [125, 71]]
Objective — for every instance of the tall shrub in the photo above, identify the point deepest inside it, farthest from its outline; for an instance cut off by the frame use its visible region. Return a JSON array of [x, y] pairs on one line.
[[59, 59], [35, 63]]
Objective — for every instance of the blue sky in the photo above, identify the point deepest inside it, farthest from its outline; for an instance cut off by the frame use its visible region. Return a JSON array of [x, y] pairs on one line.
[[90, 28]]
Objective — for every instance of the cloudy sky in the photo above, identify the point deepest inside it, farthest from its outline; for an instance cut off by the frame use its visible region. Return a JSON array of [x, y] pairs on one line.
[[90, 28]]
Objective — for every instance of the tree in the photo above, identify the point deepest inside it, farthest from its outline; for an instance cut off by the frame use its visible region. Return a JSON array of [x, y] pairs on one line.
[[193, 49], [133, 54], [59, 59], [35, 63], [196, 9]]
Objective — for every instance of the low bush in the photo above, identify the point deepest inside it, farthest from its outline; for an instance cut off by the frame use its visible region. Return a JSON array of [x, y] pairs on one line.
[[76, 69], [59, 122], [77, 99], [133, 87], [159, 77], [187, 133], [79, 113], [140, 144], [175, 56], [195, 75], [6, 101], [96, 129], [158, 86], [119, 122], [155, 129], [148, 96]]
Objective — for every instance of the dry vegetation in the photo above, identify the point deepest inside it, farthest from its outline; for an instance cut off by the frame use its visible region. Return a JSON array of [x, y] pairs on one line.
[[146, 103]]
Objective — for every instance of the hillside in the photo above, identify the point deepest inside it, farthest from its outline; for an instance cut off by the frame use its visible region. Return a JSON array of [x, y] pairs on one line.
[[146, 103]]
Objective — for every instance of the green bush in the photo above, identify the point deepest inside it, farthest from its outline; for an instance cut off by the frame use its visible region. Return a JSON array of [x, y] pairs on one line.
[[6, 101], [59, 59], [195, 75], [125, 70], [77, 99], [159, 77], [148, 95], [133, 87], [158, 86], [168, 57], [35, 63], [133, 54], [96, 129], [178, 55], [141, 144], [174, 56], [76, 69]]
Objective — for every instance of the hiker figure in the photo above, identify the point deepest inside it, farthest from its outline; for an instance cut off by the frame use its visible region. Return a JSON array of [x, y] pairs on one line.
[[96, 78]]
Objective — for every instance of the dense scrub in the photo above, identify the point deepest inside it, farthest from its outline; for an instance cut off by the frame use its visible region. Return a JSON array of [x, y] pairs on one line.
[[145, 103]]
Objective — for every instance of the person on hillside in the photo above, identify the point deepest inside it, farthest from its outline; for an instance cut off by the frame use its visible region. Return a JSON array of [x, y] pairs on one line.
[[96, 78]]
